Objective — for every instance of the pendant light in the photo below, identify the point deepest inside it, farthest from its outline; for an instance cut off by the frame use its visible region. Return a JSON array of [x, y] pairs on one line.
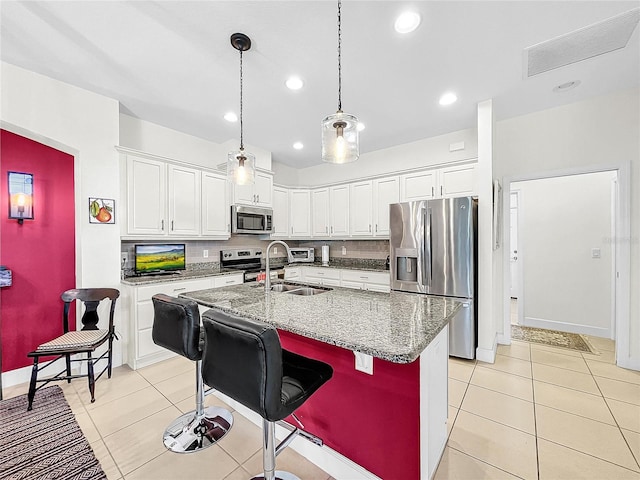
[[241, 165], [340, 142]]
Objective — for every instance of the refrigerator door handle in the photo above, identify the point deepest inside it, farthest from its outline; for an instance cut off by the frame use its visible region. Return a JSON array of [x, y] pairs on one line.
[[427, 246]]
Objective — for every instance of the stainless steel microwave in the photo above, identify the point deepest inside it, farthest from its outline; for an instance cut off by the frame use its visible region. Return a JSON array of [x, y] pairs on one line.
[[256, 220]]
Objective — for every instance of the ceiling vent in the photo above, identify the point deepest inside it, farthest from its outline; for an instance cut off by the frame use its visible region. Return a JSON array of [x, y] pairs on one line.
[[587, 42]]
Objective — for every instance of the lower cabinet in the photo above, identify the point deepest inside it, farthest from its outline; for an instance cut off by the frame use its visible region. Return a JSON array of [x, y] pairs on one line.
[[142, 351], [340, 277]]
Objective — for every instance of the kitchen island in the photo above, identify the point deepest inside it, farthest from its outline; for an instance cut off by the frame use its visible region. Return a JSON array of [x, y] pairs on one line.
[[391, 422]]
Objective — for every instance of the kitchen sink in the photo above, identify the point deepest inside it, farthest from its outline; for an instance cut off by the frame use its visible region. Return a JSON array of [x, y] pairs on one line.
[[281, 287], [306, 291]]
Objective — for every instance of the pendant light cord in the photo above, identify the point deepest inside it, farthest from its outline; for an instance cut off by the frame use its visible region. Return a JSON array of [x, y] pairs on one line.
[[339, 56], [241, 124]]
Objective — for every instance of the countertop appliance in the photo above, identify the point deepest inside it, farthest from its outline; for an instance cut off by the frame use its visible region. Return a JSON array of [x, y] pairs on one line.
[[254, 220], [433, 250], [247, 259], [301, 255]]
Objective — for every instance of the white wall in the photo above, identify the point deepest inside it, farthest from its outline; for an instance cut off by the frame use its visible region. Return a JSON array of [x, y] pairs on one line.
[[409, 156], [84, 125], [560, 221], [152, 138], [603, 132]]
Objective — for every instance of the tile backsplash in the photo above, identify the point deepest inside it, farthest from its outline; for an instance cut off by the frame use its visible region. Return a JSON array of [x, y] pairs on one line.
[[371, 249]]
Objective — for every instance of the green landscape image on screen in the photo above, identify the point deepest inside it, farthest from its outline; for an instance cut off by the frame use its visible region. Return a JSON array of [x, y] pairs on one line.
[[160, 257]]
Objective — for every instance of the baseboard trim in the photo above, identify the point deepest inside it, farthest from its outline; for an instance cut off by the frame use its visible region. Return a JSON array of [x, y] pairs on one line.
[[332, 462], [488, 355], [16, 377], [566, 327]]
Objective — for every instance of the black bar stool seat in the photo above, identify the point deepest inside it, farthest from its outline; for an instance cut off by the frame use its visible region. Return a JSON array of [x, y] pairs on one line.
[[176, 327], [243, 359]]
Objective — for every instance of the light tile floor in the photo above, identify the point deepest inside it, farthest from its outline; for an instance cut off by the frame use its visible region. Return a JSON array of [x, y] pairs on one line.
[[538, 413], [543, 413]]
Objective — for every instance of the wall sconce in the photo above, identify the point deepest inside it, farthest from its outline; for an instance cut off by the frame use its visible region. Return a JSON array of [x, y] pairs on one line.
[[21, 196]]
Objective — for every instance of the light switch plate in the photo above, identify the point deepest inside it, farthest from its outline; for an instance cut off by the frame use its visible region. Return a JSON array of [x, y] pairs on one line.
[[205, 253], [344, 250], [595, 253]]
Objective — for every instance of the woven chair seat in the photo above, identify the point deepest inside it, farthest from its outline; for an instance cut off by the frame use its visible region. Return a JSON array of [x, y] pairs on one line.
[[79, 339]]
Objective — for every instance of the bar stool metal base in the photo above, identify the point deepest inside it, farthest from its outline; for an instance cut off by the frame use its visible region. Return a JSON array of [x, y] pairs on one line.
[[191, 432], [280, 475]]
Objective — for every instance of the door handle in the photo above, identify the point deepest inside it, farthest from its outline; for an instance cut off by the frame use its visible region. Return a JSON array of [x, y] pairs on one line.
[[433, 191], [162, 226], [172, 226]]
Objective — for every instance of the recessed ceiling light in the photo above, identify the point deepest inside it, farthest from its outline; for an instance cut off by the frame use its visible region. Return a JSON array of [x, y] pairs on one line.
[[298, 146], [566, 86], [294, 83], [230, 117], [360, 126], [448, 98], [407, 22]]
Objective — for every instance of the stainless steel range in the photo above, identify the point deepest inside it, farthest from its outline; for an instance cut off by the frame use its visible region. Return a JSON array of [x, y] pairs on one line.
[[247, 259]]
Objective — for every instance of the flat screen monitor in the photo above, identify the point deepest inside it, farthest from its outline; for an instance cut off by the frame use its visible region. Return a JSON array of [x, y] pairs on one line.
[[160, 258]]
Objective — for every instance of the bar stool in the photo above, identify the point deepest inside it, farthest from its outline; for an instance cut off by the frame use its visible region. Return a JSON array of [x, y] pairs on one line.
[[243, 359], [176, 326]]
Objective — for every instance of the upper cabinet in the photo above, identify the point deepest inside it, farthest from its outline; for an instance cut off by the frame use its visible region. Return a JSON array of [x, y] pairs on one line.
[[361, 210], [170, 199], [280, 212], [385, 192], [320, 212], [146, 196], [184, 200], [339, 201], [215, 206], [260, 193], [454, 181], [300, 213]]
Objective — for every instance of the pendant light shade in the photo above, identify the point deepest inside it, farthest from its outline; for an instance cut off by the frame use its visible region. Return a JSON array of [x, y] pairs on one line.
[[340, 142], [340, 136], [241, 165]]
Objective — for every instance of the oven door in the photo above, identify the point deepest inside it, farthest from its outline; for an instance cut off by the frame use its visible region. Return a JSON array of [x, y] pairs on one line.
[[254, 220]]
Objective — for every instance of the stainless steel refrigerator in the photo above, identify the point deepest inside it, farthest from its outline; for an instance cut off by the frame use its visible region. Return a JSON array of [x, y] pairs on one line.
[[433, 252]]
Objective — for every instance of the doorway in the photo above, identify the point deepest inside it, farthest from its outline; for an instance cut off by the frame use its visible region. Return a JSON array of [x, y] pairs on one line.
[[515, 270], [620, 275]]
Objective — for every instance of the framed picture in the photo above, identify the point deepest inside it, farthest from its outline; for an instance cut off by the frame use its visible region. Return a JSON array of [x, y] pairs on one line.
[[102, 210]]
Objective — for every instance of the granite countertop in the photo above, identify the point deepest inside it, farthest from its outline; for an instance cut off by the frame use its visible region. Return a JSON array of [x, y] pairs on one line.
[[183, 275], [392, 326]]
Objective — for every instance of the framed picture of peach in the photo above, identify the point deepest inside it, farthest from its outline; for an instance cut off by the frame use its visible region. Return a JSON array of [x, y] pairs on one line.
[[102, 210]]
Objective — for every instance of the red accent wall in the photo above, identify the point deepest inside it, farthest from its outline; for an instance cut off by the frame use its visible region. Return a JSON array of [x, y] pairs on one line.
[[40, 253], [373, 420]]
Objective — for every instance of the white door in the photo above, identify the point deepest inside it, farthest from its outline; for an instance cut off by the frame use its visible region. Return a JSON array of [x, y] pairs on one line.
[[361, 219], [320, 212], [386, 191], [300, 213], [513, 245], [339, 216], [215, 207], [280, 212], [184, 200]]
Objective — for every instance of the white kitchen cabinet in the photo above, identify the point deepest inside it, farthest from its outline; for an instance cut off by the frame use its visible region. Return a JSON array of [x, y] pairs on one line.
[[458, 181], [361, 209], [142, 350], [418, 186], [320, 212], [385, 192], [454, 181], [146, 196], [280, 212], [259, 194], [300, 213], [215, 206], [340, 199], [292, 273], [365, 280], [184, 200], [328, 277]]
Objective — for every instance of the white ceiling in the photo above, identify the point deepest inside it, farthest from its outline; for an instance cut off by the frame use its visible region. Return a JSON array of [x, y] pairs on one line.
[[171, 63]]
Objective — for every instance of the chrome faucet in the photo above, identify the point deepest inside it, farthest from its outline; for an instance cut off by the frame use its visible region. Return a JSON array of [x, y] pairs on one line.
[[267, 280]]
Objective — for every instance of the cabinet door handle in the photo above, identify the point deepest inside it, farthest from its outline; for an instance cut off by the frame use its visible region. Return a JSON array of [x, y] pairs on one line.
[[292, 229], [162, 226], [326, 229], [172, 226], [230, 281], [365, 278], [376, 228], [369, 228], [433, 191], [331, 228], [440, 190], [258, 198], [179, 289]]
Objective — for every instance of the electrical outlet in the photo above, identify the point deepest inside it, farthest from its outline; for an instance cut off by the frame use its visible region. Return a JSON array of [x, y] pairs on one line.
[[364, 362], [124, 258], [275, 250], [205, 253], [344, 250]]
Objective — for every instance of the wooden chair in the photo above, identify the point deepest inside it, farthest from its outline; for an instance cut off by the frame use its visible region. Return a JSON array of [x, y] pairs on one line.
[[84, 341]]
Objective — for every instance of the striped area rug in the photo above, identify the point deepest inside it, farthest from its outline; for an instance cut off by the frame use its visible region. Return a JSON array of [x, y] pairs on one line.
[[45, 443]]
